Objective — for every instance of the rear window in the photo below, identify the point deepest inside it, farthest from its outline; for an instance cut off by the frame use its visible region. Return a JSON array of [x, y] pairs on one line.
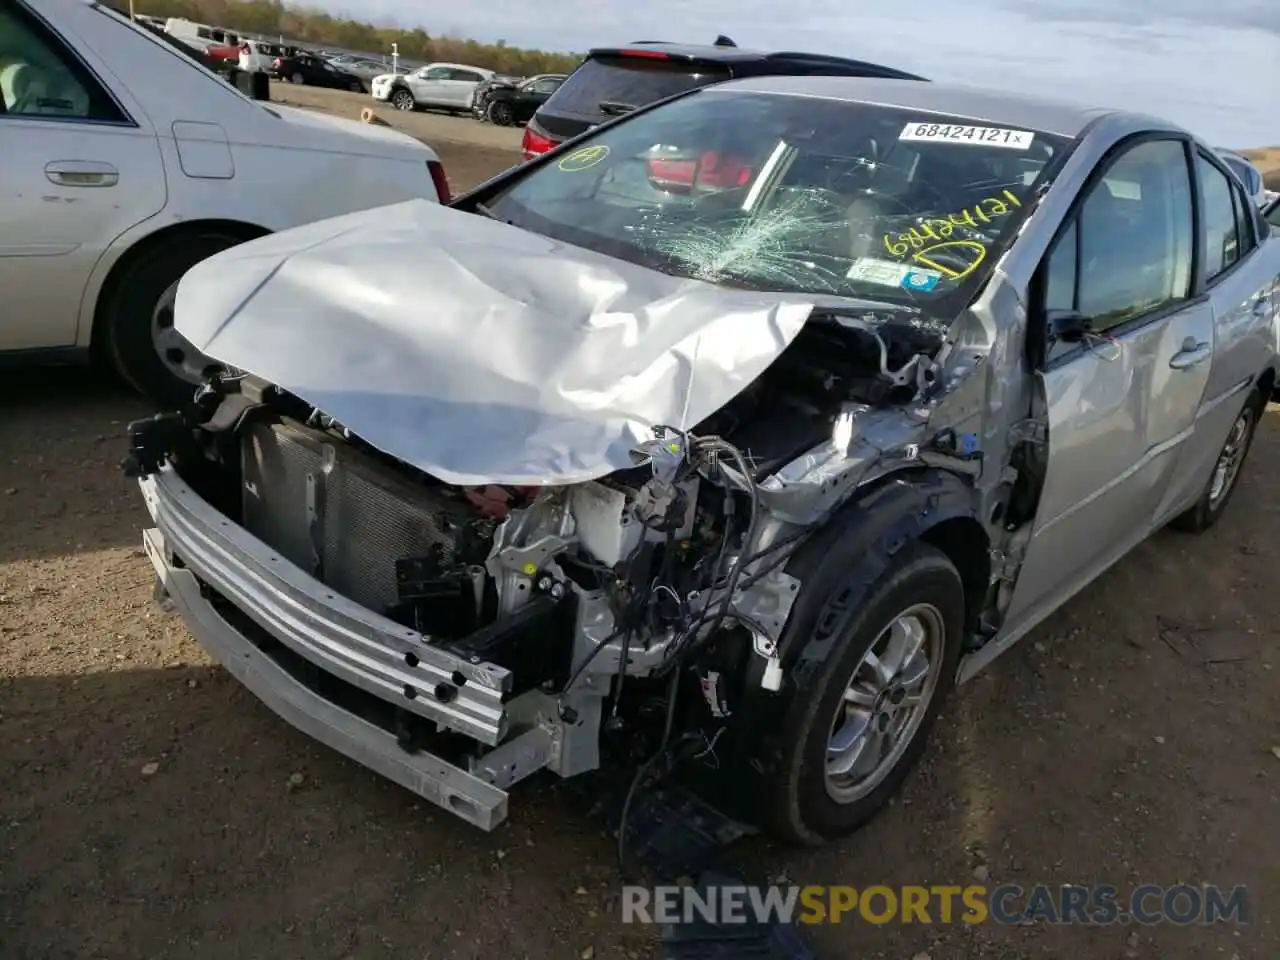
[[628, 82]]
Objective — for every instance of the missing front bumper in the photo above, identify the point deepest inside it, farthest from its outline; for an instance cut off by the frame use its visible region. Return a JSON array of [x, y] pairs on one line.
[[203, 559], [428, 776]]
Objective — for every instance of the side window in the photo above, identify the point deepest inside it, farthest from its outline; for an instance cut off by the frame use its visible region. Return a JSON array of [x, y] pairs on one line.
[[1273, 213], [466, 75], [1245, 221], [1129, 249], [1222, 231], [546, 86], [204, 33], [1061, 273], [437, 73], [41, 77]]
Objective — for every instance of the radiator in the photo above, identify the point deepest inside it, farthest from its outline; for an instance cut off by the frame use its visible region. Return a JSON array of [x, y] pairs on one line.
[[339, 513]]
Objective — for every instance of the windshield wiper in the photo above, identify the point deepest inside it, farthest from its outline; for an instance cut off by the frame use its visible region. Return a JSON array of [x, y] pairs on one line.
[[615, 108]]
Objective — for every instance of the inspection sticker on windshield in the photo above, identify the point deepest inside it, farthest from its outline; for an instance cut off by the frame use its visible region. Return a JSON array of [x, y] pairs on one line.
[[959, 133], [887, 273]]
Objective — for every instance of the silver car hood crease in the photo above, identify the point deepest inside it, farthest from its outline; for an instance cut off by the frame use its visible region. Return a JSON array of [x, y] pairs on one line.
[[476, 351]]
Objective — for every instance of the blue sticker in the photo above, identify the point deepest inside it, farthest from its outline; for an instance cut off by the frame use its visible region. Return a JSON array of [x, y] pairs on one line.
[[968, 444], [922, 280]]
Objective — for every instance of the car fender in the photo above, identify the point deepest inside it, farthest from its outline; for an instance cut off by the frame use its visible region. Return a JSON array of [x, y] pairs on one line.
[[872, 529], [130, 240], [400, 84]]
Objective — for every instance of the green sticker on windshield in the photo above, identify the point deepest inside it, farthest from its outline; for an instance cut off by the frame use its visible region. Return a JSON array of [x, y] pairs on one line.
[[583, 159]]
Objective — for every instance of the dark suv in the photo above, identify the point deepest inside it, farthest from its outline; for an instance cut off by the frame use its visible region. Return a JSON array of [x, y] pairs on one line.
[[616, 80]]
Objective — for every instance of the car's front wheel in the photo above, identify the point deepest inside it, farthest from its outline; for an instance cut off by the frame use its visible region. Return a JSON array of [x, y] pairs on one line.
[[296, 78], [1226, 469], [860, 720], [502, 114], [141, 341], [402, 100]]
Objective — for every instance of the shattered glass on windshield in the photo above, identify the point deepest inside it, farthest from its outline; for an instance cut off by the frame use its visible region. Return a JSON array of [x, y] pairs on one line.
[[766, 248], [791, 194]]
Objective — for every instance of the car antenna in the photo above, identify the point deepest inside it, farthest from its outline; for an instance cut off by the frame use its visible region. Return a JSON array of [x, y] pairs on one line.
[[723, 41]]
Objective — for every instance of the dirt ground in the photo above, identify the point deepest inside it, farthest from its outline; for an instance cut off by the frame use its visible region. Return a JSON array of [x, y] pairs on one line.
[[151, 808]]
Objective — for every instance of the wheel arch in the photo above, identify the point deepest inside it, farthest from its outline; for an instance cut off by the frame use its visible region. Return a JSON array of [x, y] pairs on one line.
[[923, 505], [1267, 384], [174, 233], [930, 505]]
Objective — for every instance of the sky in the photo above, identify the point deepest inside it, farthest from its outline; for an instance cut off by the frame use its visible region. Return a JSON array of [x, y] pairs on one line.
[[1212, 66]]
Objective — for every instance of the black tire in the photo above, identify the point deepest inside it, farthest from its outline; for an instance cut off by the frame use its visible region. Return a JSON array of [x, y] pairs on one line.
[[297, 78], [802, 810], [356, 86], [402, 99], [502, 114], [1210, 507], [127, 315]]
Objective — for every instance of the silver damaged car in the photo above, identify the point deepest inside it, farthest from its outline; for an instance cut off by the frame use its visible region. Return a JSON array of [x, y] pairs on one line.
[[718, 444]]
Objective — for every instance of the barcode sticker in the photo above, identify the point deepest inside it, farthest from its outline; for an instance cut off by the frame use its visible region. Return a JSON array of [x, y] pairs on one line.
[[958, 133]]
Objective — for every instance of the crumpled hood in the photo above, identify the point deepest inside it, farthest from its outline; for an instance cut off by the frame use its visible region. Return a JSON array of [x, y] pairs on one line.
[[475, 351]]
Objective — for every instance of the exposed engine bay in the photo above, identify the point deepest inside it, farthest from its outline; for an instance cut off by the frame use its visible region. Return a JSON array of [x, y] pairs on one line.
[[596, 600]]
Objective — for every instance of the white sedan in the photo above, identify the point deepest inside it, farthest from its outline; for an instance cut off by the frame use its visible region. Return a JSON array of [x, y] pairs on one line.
[[126, 163]]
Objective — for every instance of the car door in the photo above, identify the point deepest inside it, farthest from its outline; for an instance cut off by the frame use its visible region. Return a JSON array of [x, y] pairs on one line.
[[1242, 293], [1119, 403], [462, 87], [76, 170], [330, 76], [428, 86], [535, 95]]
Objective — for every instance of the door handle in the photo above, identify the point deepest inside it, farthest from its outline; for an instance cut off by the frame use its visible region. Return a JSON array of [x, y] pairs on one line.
[[81, 173], [1192, 353]]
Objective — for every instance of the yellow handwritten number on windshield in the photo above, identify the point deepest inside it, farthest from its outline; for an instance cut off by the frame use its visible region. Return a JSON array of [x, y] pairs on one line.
[[930, 242], [583, 159]]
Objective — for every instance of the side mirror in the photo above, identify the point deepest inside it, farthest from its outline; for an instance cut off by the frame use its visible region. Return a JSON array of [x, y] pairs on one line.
[[1068, 326]]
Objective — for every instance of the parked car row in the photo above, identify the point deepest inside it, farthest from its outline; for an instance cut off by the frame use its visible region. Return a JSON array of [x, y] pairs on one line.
[[313, 71], [609, 82]]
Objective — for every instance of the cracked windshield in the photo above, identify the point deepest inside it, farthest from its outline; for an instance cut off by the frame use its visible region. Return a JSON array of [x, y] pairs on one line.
[[831, 198]]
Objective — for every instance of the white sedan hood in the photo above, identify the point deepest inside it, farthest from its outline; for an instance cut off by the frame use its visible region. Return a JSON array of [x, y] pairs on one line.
[[478, 352]]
